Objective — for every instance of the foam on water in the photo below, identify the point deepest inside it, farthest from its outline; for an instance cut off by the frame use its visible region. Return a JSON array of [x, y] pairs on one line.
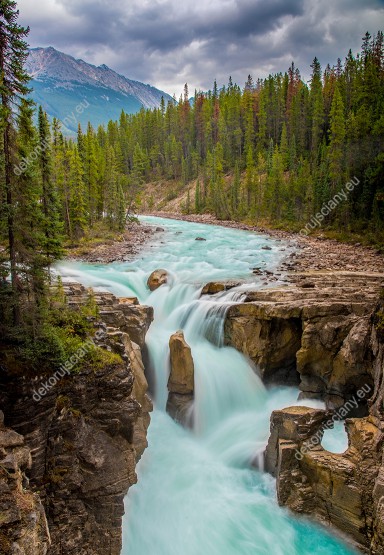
[[192, 498], [198, 492]]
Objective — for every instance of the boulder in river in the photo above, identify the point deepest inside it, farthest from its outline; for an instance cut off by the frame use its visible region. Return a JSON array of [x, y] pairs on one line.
[[213, 287], [157, 278]]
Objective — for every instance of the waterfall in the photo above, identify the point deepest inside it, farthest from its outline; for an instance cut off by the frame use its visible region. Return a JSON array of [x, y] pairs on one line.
[[199, 491]]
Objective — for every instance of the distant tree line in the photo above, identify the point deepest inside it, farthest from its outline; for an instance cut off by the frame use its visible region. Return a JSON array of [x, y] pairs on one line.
[[276, 150]]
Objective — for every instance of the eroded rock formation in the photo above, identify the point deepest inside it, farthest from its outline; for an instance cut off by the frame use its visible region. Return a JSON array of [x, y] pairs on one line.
[[87, 433], [345, 490], [323, 332], [181, 379], [315, 336]]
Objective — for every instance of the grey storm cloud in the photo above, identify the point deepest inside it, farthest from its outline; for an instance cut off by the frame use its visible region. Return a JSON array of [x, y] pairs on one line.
[[168, 43]]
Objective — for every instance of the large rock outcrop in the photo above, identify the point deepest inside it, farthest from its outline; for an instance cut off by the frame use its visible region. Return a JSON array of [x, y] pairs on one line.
[[315, 336], [326, 331], [86, 433], [124, 313], [181, 379], [344, 490]]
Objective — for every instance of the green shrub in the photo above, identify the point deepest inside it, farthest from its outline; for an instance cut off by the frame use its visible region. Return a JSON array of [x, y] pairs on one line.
[[43, 343]]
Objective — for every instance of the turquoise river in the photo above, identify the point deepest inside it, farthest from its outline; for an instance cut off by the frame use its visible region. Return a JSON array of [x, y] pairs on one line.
[[198, 491]]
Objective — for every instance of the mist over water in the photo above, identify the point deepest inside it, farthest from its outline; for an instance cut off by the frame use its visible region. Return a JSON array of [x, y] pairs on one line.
[[198, 491]]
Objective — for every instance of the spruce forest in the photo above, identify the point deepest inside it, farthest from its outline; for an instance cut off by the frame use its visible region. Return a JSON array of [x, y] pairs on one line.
[[273, 151]]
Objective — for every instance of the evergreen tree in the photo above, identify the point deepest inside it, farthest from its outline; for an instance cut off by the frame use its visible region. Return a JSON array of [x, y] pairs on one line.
[[284, 148], [52, 228], [336, 142], [29, 218], [91, 169], [77, 211], [138, 175], [317, 107], [235, 192], [250, 178], [13, 85]]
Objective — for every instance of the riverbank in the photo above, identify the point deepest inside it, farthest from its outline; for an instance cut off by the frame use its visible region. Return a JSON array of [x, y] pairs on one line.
[[125, 247]]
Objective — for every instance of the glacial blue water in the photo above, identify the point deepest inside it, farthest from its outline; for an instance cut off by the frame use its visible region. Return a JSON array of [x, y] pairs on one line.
[[335, 440], [198, 491]]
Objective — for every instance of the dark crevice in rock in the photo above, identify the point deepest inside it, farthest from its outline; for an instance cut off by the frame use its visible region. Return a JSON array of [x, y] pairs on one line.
[[149, 372], [287, 376]]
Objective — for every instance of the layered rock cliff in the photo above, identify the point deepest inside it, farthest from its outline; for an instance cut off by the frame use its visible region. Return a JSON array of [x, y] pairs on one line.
[[314, 333], [326, 334], [23, 524], [84, 435]]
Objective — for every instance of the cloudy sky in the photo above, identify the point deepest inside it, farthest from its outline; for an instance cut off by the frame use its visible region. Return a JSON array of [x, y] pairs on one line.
[[170, 42]]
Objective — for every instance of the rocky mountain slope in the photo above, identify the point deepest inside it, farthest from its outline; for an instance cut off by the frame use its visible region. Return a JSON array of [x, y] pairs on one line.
[[77, 92]]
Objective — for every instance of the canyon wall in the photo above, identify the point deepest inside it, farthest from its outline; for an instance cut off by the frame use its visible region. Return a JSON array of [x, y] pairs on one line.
[[324, 333], [84, 437], [314, 333]]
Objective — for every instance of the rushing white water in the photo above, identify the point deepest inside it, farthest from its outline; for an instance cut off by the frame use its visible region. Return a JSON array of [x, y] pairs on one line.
[[198, 492]]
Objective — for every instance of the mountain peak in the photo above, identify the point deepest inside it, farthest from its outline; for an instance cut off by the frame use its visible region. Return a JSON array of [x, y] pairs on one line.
[[67, 71], [61, 82]]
